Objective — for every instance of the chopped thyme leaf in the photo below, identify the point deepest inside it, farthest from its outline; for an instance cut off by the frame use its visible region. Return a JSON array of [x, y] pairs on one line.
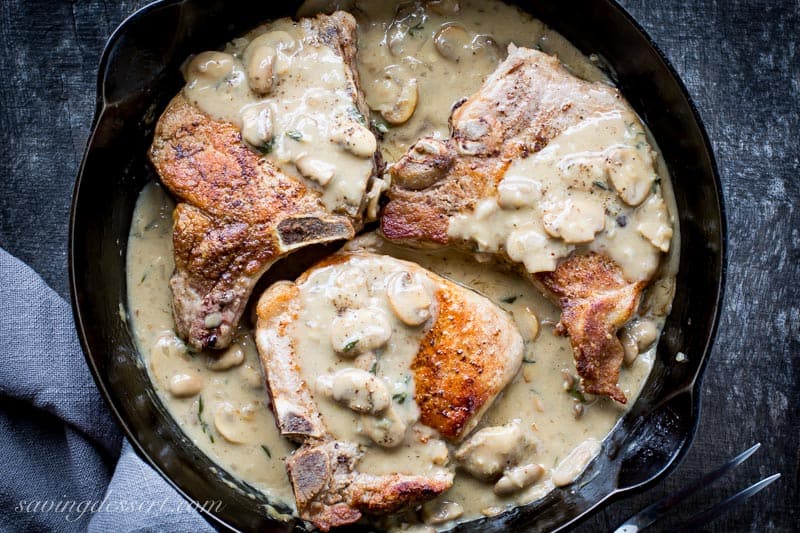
[[509, 299], [266, 451], [526, 359], [374, 368], [144, 276], [419, 26], [294, 134], [576, 393], [350, 345], [400, 398], [358, 115], [380, 126], [601, 185], [266, 147], [203, 424]]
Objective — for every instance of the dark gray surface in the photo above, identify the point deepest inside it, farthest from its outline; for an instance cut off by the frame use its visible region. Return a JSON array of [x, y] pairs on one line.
[[741, 63]]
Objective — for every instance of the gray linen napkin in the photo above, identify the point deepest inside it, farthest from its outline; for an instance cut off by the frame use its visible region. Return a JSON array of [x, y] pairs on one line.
[[65, 465]]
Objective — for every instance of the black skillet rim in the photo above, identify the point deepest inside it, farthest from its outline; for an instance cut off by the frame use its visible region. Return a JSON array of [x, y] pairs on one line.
[[81, 326]]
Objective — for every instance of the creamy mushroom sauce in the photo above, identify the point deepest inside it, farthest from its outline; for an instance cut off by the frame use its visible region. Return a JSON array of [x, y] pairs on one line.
[[447, 47], [290, 97], [358, 329], [595, 186]]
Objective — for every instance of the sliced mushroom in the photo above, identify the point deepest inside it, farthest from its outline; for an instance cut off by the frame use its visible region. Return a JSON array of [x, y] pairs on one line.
[[629, 171], [516, 191], [398, 93], [387, 430], [251, 375], [260, 69], [575, 219], [257, 124], [629, 347], [444, 7], [357, 140], [409, 298], [233, 356], [645, 332], [492, 450], [360, 330], [453, 42], [356, 389], [486, 46], [441, 511], [232, 424], [427, 162], [265, 58], [518, 478], [314, 169], [572, 465], [349, 288], [167, 350], [528, 324], [185, 385], [210, 65], [653, 222]]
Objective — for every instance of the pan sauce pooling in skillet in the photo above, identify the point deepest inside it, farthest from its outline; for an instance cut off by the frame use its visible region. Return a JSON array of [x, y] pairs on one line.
[[221, 402]]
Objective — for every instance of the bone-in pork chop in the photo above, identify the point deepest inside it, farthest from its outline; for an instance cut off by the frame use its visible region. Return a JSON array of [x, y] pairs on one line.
[[370, 362], [267, 152], [554, 175]]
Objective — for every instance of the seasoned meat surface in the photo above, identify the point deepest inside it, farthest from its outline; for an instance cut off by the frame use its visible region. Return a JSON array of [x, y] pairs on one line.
[[238, 212], [526, 103], [596, 301], [468, 351]]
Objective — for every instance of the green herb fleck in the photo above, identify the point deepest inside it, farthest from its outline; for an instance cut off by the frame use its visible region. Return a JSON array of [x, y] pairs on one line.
[[358, 115], [529, 360], [144, 276], [294, 134], [203, 423], [601, 185], [266, 451], [509, 299], [380, 126], [400, 397], [418, 27], [374, 368], [576, 393], [350, 345], [535, 391], [656, 184], [266, 147]]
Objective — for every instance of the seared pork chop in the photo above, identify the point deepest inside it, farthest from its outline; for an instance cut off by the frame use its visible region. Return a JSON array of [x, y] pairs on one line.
[[299, 177], [554, 175], [364, 353]]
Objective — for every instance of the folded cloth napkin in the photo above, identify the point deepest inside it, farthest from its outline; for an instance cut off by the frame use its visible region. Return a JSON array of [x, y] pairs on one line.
[[65, 465]]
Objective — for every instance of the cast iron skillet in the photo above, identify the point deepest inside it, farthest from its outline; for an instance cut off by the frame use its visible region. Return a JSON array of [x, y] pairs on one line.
[[137, 77]]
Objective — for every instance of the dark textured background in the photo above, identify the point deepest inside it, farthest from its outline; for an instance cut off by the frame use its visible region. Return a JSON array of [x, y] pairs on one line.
[[741, 63]]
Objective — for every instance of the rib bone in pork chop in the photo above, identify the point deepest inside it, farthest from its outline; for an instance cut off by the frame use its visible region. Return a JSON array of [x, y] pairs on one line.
[[239, 209], [365, 353]]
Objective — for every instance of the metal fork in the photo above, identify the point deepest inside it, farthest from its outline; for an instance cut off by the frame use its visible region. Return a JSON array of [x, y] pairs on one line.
[[652, 513]]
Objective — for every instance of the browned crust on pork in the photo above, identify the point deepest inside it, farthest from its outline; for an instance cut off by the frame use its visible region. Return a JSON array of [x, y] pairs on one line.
[[596, 300], [529, 100], [330, 493], [237, 212], [460, 365]]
